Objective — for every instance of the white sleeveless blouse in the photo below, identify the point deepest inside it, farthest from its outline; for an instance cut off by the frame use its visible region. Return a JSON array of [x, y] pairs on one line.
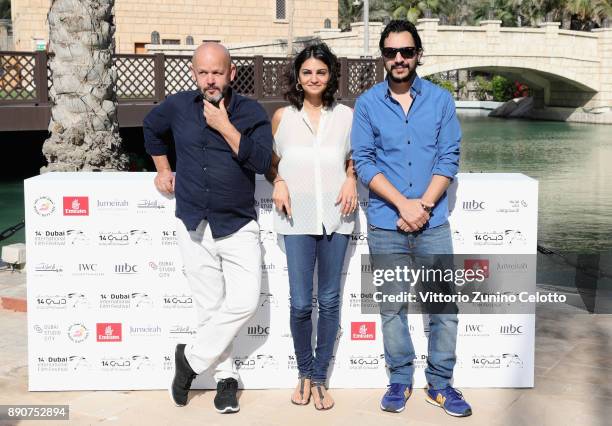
[[314, 167]]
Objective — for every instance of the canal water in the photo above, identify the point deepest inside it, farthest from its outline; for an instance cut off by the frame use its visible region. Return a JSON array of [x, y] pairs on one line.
[[572, 162]]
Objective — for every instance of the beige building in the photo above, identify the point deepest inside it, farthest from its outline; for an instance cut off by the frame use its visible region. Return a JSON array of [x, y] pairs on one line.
[[227, 21]]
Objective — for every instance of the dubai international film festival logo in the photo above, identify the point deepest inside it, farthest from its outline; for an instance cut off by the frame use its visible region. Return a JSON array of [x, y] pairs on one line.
[[363, 331], [44, 206], [76, 206], [108, 332]]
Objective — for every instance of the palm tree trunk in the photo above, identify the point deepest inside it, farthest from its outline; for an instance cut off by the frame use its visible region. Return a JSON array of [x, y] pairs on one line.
[[84, 128]]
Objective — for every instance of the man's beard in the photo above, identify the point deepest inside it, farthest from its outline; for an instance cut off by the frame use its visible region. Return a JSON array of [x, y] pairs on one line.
[[217, 98], [410, 76]]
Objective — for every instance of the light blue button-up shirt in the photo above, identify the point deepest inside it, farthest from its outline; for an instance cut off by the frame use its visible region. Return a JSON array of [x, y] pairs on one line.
[[407, 149]]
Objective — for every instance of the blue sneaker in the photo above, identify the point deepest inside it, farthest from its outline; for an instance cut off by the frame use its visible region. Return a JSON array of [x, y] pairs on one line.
[[395, 398], [451, 400]]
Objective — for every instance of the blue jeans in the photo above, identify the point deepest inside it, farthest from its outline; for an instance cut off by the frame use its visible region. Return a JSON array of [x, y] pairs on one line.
[[302, 252], [399, 350]]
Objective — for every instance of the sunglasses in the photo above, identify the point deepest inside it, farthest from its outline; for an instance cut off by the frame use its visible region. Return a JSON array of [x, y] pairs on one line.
[[406, 52]]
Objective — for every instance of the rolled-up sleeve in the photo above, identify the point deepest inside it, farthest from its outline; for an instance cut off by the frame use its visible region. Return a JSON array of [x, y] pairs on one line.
[[362, 142], [449, 140], [255, 150], [156, 128]]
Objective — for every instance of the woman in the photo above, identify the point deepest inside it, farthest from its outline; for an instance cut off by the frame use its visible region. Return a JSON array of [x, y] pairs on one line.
[[315, 194]]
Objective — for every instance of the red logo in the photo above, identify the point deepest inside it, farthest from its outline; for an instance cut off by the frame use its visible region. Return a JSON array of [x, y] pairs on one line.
[[363, 330], [477, 265], [76, 206], [108, 332]]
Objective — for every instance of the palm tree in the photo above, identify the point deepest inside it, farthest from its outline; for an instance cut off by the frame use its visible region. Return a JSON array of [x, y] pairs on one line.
[[457, 12], [348, 12], [587, 14], [84, 128], [414, 9]]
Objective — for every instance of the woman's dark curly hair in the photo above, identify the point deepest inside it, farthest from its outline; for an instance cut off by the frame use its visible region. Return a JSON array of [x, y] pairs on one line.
[[321, 52]]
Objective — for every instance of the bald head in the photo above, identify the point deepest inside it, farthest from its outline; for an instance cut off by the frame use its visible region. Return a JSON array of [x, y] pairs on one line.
[[211, 52], [212, 70]]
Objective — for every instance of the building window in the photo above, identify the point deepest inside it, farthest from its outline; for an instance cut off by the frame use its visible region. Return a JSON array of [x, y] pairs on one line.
[[281, 9], [170, 41], [140, 49]]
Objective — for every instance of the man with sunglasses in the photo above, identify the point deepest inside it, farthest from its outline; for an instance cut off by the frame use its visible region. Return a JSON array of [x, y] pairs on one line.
[[405, 141]]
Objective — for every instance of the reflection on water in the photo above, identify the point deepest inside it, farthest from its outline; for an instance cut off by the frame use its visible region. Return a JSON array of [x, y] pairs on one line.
[[572, 162]]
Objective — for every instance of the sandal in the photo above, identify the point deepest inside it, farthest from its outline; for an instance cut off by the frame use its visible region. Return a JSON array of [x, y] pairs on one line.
[[318, 386], [302, 386]]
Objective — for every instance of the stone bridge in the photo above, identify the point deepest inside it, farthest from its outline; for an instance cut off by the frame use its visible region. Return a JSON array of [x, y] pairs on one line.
[[566, 68]]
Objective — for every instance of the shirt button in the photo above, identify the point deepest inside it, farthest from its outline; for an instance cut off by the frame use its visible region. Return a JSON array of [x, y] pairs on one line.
[[406, 120], [408, 142], [208, 190], [205, 168], [410, 186], [409, 163]]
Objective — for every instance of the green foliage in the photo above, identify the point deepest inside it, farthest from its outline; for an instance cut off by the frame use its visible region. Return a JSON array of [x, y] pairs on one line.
[[501, 88], [445, 84], [584, 14], [483, 87]]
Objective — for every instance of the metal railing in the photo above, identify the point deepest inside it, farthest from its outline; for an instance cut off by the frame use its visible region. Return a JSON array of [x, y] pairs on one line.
[[25, 77]]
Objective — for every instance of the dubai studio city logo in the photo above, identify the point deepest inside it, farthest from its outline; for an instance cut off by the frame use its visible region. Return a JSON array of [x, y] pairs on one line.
[[76, 206], [363, 331], [48, 332], [108, 332], [44, 206]]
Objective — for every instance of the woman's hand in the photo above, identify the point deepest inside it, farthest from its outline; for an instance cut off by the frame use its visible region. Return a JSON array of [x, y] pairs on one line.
[[347, 198], [280, 197]]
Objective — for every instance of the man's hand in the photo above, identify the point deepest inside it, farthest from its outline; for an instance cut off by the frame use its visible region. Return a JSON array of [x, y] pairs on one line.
[[216, 118], [281, 198], [412, 214], [164, 181]]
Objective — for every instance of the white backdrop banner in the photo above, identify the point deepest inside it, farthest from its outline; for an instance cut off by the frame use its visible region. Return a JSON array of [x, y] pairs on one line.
[[108, 302]]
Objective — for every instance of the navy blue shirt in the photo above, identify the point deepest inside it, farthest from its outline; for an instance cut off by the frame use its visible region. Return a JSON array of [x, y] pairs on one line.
[[212, 182]]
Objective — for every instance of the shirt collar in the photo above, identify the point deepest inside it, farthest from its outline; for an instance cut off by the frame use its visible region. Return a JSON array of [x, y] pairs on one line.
[[416, 88]]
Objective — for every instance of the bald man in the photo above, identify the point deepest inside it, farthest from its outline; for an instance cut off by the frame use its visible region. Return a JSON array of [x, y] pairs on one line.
[[222, 140]]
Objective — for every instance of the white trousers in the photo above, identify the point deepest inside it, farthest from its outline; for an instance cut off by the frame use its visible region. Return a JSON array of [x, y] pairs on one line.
[[225, 279]]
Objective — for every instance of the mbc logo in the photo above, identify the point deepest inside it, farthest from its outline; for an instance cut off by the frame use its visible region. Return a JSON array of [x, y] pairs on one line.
[[126, 268], [511, 329], [473, 206], [258, 330]]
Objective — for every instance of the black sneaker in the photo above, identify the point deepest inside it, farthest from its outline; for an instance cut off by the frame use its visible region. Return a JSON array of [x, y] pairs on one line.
[[183, 376], [226, 401]]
